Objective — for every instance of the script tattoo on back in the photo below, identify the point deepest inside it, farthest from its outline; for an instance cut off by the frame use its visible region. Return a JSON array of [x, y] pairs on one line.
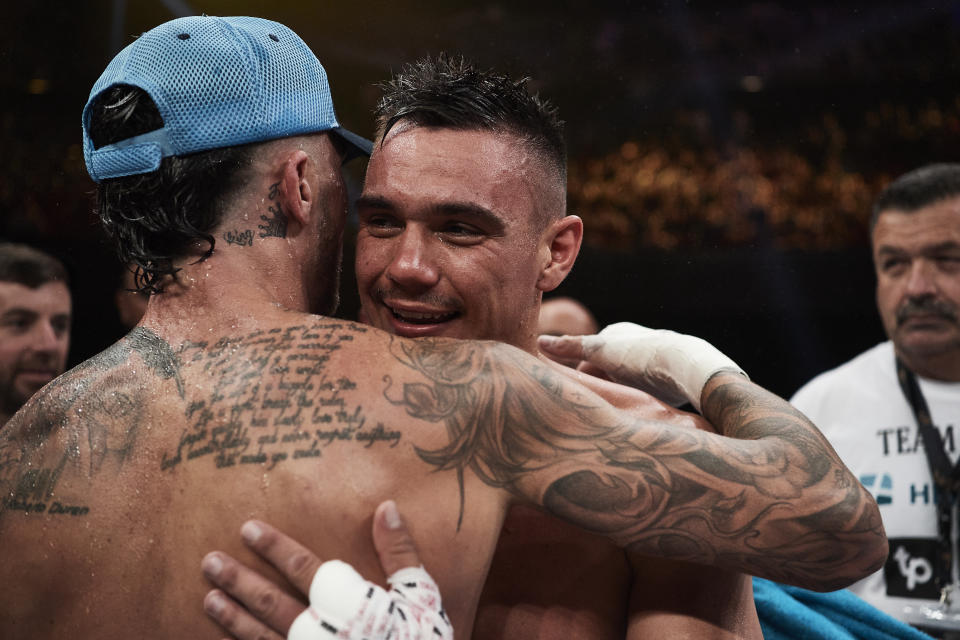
[[273, 399], [268, 399], [657, 489]]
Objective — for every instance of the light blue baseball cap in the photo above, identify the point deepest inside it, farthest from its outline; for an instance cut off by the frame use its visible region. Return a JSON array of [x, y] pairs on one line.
[[217, 82]]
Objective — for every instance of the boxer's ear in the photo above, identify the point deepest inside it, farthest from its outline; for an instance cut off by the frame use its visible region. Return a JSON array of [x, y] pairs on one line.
[[295, 193], [563, 239]]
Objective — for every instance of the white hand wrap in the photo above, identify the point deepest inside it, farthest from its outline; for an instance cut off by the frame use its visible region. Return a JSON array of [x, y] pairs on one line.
[[345, 606], [672, 366]]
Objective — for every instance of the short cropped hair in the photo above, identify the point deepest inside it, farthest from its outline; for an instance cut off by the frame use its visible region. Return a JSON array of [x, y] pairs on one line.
[[918, 189], [30, 267], [452, 93], [157, 217]]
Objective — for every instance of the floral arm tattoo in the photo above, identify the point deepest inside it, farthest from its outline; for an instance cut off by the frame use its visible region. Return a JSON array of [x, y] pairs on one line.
[[770, 498]]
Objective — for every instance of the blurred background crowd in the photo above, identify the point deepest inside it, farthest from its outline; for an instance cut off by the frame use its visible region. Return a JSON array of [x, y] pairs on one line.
[[724, 155]]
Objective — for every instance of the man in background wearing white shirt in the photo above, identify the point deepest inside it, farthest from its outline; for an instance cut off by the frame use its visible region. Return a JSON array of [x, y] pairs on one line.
[[872, 416]]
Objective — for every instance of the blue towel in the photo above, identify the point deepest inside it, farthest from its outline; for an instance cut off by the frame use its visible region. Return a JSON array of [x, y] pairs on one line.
[[791, 613]]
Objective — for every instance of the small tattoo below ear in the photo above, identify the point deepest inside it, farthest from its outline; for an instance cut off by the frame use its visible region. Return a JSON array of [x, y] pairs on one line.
[[276, 224], [243, 238]]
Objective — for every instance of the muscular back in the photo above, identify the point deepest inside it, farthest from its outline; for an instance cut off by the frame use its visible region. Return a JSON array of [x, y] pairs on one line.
[[122, 474]]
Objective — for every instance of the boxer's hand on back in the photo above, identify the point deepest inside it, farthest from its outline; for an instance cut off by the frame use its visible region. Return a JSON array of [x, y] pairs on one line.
[[251, 607], [671, 366]]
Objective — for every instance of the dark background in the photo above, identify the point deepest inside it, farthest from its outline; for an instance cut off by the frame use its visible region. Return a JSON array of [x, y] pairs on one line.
[[723, 154]]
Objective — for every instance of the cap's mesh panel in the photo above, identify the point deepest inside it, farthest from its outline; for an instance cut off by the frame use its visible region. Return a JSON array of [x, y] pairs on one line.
[[291, 76], [206, 91], [220, 82]]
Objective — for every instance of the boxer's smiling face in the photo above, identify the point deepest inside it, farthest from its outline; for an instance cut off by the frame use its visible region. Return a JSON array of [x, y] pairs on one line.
[[451, 240]]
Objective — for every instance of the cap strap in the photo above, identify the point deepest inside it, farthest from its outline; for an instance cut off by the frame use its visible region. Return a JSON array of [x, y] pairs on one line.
[[139, 154]]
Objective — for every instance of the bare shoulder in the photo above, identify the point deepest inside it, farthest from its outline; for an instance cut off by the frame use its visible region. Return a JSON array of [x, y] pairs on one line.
[[91, 414]]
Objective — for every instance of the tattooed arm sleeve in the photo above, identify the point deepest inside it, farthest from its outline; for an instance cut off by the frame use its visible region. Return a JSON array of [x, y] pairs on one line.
[[769, 498]]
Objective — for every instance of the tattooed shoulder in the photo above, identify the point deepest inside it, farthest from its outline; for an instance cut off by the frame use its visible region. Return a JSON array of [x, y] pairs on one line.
[[505, 413], [81, 419]]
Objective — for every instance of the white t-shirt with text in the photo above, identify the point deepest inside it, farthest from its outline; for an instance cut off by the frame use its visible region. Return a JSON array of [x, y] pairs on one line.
[[862, 411]]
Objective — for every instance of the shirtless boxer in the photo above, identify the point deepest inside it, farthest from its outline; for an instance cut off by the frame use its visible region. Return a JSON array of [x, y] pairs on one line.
[[449, 247], [231, 400], [425, 245]]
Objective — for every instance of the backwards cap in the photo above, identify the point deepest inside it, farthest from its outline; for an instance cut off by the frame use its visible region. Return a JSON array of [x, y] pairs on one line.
[[217, 82]]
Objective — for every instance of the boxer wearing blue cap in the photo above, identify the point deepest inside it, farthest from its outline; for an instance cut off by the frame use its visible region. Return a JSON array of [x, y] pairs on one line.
[[217, 82]]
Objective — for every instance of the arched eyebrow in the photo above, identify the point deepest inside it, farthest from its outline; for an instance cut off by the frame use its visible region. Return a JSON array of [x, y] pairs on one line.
[[374, 202], [466, 210], [473, 212], [942, 247], [933, 249], [19, 312]]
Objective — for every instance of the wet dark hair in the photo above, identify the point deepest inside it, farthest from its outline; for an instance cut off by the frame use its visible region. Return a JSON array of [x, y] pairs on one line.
[[451, 93], [155, 218], [30, 267], [918, 189]]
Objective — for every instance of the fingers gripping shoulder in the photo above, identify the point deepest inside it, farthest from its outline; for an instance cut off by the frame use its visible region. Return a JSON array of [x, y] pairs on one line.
[[345, 606]]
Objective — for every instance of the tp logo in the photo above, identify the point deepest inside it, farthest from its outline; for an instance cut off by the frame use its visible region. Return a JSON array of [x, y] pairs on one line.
[[915, 570], [909, 571]]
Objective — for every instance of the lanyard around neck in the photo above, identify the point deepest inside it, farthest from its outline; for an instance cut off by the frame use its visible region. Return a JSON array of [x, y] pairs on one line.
[[946, 477]]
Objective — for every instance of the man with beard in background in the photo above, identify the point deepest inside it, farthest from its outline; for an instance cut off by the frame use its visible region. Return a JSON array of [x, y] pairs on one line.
[[35, 311]]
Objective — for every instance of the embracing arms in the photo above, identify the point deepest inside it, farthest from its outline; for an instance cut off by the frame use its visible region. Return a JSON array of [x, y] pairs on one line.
[[768, 496]]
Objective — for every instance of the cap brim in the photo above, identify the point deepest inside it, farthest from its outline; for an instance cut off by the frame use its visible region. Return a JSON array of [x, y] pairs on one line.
[[356, 145]]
